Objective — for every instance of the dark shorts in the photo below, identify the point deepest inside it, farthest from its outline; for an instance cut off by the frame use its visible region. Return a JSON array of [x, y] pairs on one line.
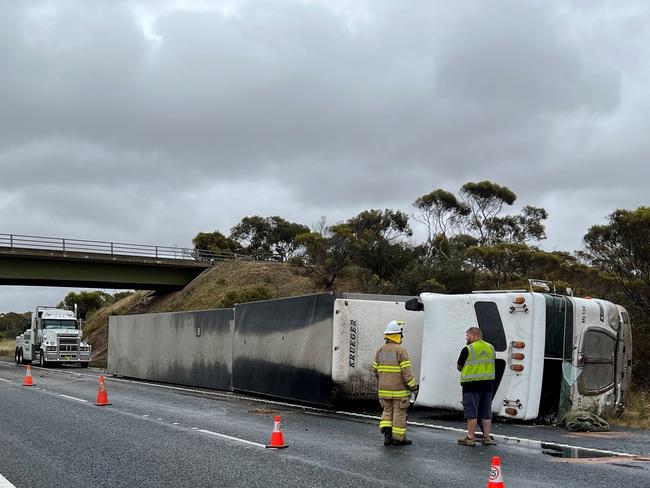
[[477, 404]]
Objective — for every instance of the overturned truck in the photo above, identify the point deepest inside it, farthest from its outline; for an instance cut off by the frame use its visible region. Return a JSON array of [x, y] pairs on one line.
[[555, 353]]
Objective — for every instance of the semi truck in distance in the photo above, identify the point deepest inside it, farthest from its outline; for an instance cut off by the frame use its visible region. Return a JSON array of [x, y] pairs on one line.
[[54, 337], [554, 353]]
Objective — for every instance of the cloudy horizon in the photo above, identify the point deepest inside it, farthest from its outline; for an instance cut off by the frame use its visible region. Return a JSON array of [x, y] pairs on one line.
[[148, 122]]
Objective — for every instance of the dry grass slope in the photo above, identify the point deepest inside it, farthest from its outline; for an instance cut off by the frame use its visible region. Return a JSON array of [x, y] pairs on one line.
[[637, 412], [7, 347], [208, 290]]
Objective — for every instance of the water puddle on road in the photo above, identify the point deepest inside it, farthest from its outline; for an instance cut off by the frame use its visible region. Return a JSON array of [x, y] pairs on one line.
[[574, 452], [565, 451]]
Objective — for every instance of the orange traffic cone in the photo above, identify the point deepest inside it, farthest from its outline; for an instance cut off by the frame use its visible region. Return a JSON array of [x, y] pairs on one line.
[[277, 439], [28, 377], [102, 396], [496, 478]]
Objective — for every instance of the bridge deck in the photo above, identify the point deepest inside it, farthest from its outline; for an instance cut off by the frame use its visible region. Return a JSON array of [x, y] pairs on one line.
[[39, 267]]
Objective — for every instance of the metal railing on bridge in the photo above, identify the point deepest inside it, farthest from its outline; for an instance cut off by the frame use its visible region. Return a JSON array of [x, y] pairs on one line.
[[62, 244]]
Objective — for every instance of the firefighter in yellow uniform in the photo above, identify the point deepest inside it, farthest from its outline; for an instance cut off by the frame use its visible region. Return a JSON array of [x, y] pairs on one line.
[[393, 370]]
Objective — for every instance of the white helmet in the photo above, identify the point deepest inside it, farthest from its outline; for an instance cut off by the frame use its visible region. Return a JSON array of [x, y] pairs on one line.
[[394, 327]]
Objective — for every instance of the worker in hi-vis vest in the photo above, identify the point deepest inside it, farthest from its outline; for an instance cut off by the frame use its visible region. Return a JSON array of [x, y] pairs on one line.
[[393, 370], [476, 366]]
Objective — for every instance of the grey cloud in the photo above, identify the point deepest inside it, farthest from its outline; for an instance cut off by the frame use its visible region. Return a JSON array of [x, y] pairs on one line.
[[312, 108], [520, 60]]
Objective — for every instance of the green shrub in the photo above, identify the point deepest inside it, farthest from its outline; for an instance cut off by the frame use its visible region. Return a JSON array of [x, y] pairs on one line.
[[243, 295]]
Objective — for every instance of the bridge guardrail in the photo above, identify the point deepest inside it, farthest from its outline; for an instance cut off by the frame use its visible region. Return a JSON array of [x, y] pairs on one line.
[[62, 244]]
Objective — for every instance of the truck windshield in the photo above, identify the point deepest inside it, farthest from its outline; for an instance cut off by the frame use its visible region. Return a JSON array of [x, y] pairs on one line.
[[59, 324]]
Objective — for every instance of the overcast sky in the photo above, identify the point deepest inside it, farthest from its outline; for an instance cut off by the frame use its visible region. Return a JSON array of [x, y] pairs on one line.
[[148, 122]]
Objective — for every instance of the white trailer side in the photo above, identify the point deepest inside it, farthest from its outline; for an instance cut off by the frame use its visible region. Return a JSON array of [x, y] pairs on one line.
[[359, 326]]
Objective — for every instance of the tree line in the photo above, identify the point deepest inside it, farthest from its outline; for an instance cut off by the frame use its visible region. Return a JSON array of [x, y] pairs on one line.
[[472, 240]]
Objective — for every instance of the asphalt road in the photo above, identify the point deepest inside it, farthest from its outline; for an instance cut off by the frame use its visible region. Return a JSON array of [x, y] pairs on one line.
[[52, 435]]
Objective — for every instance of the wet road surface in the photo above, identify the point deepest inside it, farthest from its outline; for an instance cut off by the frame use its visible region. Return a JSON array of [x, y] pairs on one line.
[[52, 435]]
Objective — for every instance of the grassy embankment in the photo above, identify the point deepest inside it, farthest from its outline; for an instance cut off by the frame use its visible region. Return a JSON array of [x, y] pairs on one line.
[[7, 347]]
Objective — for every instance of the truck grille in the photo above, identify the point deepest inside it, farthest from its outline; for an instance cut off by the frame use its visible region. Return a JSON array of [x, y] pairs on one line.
[[68, 344]]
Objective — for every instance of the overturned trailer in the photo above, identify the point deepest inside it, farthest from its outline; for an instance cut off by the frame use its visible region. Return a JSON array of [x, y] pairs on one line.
[[185, 348], [315, 349], [554, 353]]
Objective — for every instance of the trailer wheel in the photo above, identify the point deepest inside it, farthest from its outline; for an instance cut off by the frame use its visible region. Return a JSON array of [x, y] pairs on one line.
[[21, 357], [17, 356]]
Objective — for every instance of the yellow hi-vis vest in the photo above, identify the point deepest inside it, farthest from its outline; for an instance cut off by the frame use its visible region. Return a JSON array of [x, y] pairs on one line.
[[479, 365]]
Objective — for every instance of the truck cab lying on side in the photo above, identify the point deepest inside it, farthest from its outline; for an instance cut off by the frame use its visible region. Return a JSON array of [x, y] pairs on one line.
[[554, 353], [53, 337]]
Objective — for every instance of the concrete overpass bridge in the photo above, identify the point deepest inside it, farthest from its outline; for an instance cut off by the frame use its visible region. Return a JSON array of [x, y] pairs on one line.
[[54, 261]]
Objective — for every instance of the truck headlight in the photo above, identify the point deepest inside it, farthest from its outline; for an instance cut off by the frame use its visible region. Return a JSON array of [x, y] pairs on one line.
[[51, 348]]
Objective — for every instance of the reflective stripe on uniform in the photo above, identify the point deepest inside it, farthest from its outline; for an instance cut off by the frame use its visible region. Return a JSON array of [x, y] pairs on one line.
[[411, 383], [480, 361], [388, 369], [385, 423], [399, 431], [374, 364], [393, 393], [477, 377], [405, 364]]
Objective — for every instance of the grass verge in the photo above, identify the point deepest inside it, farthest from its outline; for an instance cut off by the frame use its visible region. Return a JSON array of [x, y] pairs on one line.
[[637, 411], [7, 347]]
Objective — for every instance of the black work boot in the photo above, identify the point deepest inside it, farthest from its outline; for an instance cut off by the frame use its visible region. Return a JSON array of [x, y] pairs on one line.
[[388, 435], [402, 442]]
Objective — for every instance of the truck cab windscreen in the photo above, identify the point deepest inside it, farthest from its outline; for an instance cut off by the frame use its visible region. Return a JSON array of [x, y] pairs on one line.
[[59, 324]]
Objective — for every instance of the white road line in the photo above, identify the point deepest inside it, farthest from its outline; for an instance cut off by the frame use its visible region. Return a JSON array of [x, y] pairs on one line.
[[4, 483], [237, 439], [73, 398], [6, 381], [529, 442]]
